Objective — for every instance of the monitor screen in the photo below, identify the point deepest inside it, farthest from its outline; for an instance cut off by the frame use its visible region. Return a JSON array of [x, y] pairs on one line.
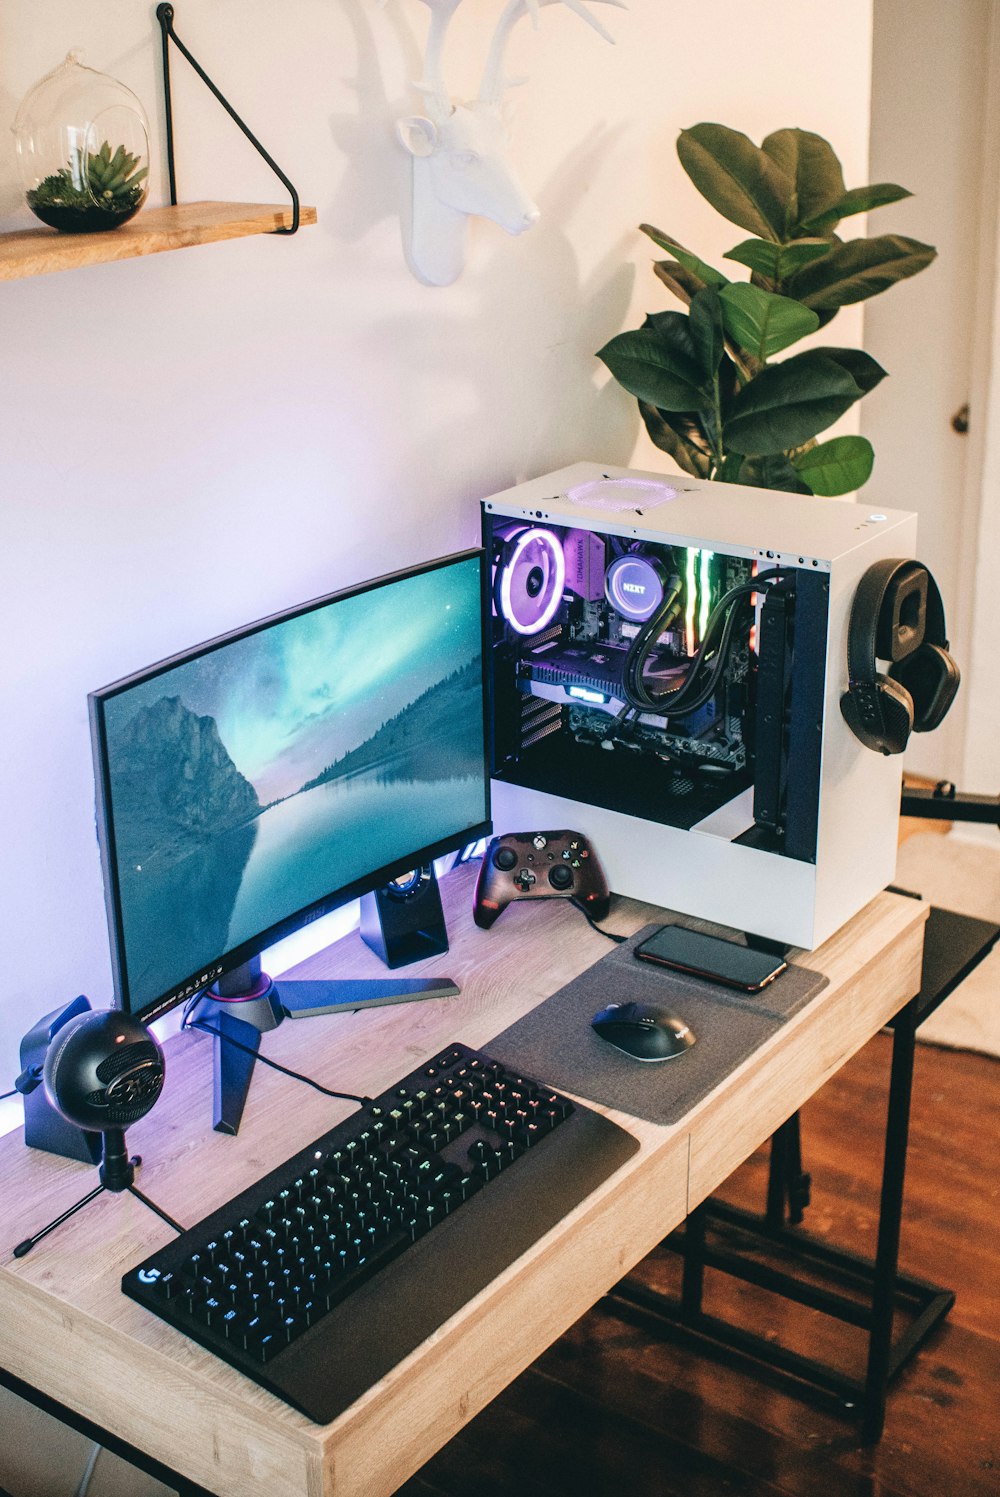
[[265, 777]]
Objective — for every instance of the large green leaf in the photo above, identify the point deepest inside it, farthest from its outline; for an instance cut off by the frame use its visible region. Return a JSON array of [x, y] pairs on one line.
[[654, 369], [776, 261], [837, 466], [705, 328], [865, 371], [740, 180], [674, 328], [665, 436], [706, 273], [812, 165], [857, 200], [762, 322], [788, 403], [774, 472], [860, 268]]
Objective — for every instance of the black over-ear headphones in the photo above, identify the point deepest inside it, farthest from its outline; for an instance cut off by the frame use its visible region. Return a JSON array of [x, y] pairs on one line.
[[897, 615]]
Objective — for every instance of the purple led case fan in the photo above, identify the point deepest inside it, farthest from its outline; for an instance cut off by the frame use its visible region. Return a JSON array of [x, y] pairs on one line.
[[530, 579]]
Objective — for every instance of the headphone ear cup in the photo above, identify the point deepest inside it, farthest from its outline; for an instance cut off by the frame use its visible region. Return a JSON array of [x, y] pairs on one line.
[[931, 678], [879, 713]]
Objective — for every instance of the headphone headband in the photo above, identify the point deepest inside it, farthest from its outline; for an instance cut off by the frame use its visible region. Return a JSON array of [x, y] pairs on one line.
[[897, 615], [897, 608]]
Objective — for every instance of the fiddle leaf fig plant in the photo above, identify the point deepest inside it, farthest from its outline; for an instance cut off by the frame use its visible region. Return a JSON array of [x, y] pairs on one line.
[[707, 388]]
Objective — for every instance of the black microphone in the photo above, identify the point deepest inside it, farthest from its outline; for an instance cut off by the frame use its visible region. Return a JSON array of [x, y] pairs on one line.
[[102, 1072]]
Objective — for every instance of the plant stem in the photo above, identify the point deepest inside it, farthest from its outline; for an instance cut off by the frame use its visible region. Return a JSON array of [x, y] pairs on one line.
[[715, 435]]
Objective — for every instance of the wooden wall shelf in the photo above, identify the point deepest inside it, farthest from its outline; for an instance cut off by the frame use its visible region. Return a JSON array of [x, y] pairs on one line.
[[28, 252]]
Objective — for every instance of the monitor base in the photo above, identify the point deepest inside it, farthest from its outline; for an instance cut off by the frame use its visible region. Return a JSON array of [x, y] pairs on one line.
[[246, 1004]]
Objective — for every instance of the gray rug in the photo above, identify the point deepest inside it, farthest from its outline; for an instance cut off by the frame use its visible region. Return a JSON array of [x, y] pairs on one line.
[[960, 874]]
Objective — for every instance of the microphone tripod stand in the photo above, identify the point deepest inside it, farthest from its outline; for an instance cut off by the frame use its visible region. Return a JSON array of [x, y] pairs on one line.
[[117, 1174]]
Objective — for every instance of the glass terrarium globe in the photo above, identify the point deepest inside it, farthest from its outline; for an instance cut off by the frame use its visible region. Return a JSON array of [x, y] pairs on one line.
[[82, 144]]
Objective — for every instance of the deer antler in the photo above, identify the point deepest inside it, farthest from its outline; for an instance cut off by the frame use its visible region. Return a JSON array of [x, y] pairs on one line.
[[494, 82], [432, 84]]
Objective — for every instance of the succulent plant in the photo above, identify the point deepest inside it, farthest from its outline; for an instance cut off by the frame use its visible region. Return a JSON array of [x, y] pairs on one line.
[[114, 180], [102, 194]]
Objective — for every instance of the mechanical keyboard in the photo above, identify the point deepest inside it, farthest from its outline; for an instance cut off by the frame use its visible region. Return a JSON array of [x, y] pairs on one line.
[[322, 1276]]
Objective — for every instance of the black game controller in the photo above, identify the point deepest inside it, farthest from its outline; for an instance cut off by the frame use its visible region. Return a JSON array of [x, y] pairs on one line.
[[539, 865]]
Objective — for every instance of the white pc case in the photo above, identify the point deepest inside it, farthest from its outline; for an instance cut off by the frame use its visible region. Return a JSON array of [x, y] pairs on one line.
[[565, 757]]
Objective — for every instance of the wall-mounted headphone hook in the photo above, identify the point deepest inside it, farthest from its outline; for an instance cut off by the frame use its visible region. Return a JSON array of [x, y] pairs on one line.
[[165, 16]]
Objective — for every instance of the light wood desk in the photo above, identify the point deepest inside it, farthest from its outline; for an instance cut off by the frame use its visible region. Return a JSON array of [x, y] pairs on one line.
[[67, 1330]]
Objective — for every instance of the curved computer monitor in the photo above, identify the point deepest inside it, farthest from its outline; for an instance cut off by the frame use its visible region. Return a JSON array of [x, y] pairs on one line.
[[257, 781]]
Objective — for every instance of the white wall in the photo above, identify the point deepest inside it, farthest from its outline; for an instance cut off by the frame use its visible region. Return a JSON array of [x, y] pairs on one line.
[[195, 439], [982, 674], [927, 132]]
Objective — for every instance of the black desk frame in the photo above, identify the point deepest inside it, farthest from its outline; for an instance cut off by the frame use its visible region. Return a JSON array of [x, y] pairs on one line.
[[954, 945]]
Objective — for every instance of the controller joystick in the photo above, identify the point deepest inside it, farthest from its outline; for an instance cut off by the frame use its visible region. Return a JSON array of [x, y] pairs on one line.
[[539, 865]]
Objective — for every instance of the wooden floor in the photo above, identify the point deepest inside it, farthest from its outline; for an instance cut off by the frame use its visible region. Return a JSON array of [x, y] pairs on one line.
[[612, 1409]]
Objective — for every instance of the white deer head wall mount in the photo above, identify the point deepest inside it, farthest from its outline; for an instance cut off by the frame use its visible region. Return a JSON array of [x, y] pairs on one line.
[[460, 150]]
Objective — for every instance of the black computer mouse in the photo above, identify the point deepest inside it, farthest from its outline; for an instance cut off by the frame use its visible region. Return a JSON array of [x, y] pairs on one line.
[[643, 1030]]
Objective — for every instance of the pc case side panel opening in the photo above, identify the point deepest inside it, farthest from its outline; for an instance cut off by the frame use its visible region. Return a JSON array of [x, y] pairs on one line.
[[626, 675]]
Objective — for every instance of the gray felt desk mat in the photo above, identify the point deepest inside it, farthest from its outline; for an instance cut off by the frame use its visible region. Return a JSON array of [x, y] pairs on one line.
[[556, 1043]]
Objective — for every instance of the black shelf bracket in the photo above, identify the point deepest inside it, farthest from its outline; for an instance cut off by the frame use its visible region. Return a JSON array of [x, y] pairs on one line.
[[165, 16]]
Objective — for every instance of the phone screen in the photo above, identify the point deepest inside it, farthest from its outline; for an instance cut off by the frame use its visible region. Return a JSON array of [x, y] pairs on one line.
[[709, 956]]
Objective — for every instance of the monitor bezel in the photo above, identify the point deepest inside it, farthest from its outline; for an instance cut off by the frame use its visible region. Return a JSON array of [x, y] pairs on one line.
[[203, 977]]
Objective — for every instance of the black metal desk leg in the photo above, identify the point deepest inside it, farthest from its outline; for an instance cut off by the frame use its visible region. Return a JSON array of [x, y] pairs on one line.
[[777, 1177], [897, 1126], [788, 1184], [693, 1276]]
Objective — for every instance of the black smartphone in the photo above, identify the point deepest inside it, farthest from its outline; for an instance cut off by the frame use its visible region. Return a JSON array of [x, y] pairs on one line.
[[722, 961]]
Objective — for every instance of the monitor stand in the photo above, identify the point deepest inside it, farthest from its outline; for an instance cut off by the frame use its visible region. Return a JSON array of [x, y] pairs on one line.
[[245, 1004]]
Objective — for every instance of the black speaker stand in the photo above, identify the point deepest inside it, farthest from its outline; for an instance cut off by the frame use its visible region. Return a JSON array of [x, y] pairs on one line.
[[403, 921], [44, 1127], [117, 1173]]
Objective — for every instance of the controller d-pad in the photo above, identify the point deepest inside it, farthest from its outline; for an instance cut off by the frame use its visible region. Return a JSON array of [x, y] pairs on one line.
[[505, 858], [561, 877], [525, 879]]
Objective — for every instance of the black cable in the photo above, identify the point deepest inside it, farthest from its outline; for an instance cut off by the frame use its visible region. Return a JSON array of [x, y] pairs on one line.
[[649, 633], [674, 702], [599, 928], [635, 661], [190, 1006], [264, 1060], [641, 648], [617, 724], [719, 665], [5, 1095]]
